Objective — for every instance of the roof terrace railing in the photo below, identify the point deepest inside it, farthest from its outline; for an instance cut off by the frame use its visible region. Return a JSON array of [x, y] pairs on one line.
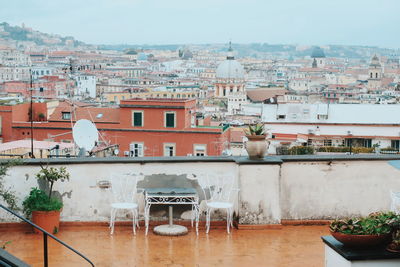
[[45, 234]]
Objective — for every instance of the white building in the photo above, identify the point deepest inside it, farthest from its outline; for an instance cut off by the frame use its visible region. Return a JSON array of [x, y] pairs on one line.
[[85, 86], [336, 124], [12, 57], [8, 73], [40, 71]]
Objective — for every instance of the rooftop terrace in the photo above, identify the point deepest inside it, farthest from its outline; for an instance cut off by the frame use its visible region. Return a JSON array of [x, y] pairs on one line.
[[274, 192]]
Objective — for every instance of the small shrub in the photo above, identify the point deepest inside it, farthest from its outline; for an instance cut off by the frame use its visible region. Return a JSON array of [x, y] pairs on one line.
[[301, 150], [374, 224]]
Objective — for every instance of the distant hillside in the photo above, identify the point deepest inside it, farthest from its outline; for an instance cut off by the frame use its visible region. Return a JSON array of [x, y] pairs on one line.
[[25, 34]]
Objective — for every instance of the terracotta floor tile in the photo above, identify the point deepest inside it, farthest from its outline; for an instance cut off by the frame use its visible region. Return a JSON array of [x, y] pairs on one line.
[[291, 246]]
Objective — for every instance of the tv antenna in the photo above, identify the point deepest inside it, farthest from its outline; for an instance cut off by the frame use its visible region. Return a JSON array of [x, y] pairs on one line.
[[85, 136]]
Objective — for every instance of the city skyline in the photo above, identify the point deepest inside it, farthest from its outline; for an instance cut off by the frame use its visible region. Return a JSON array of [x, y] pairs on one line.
[[178, 22]]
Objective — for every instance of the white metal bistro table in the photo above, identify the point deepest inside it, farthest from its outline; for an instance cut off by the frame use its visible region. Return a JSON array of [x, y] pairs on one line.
[[171, 196]]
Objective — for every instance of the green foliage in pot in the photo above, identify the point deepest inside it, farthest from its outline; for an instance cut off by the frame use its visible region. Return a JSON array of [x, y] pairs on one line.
[[38, 200], [374, 224], [52, 175], [257, 129]]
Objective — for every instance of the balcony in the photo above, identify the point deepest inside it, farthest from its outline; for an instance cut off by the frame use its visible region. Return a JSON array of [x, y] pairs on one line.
[[275, 194]]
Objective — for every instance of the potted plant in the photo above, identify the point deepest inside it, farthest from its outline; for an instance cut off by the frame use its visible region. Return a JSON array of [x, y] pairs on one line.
[[44, 208], [373, 230], [256, 146]]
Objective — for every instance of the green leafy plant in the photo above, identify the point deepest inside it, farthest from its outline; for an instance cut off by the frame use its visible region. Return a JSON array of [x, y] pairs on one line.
[[342, 149], [374, 224], [301, 150], [38, 200], [257, 129], [52, 175]]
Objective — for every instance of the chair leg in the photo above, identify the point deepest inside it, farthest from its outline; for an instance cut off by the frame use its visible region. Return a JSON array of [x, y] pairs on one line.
[[137, 218], [231, 218], [208, 220], [192, 216], [228, 218], [112, 221], [134, 221]]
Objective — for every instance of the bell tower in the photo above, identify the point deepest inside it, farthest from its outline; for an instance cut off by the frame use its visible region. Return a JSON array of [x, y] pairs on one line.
[[375, 74]]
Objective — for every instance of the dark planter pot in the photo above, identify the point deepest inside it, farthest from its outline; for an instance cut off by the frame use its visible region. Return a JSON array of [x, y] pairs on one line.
[[362, 241], [48, 220]]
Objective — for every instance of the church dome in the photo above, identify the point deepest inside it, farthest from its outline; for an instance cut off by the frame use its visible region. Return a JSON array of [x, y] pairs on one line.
[[230, 68], [318, 52]]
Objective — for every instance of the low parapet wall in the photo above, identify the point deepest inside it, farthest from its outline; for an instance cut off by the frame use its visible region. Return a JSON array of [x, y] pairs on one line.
[[271, 190]]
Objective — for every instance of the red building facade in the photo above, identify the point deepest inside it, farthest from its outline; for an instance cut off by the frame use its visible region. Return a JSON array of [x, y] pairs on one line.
[[141, 127]]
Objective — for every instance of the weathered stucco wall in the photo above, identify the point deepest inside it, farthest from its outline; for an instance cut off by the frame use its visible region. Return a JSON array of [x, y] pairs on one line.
[[259, 201], [85, 200], [270, 190], [331, 189]]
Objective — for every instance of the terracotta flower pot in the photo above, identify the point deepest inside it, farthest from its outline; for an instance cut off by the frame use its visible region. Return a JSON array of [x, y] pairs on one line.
[[48, 220], [362, 240], [256, 146]]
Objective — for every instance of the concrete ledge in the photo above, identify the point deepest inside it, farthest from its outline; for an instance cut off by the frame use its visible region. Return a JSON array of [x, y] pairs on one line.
[[237, 160]]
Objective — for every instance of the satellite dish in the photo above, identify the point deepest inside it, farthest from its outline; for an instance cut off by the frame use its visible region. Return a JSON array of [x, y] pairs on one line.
[[85, 134]]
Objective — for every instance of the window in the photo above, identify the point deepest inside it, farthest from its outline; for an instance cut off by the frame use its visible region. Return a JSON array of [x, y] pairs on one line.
[[200, 150], [170, 121], [137, 118], [136, 150], [328, 142], [66, 115], [169, 150], [367, 142], [322, 117], [280, 117], [395, 144]]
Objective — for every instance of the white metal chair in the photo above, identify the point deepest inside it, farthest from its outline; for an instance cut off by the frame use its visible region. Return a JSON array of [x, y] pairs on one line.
[[124, 188], [218, 192], [395, 203]]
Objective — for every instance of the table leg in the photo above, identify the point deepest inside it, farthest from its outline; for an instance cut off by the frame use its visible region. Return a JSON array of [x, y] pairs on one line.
[[170, 216]]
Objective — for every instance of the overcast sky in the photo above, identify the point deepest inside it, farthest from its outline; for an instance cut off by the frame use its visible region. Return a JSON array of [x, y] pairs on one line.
[[316, 22]]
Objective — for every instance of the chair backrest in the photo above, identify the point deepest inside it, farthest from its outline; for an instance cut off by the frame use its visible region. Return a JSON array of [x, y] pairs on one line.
[[395, 204], [217, 187], [124, 186]]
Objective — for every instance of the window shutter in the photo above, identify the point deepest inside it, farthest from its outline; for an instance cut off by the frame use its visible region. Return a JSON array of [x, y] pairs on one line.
[[170, 120], [137, 119]]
